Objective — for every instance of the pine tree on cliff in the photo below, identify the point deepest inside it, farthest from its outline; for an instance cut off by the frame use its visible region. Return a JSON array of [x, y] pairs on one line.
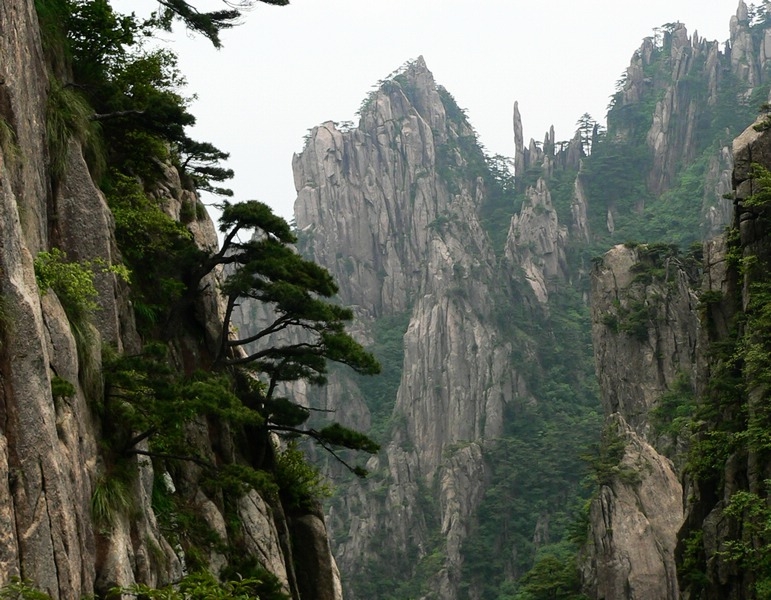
[[209, 23]]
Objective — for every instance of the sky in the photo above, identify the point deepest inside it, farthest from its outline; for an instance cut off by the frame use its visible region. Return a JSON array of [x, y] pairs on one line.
[[286, 69]]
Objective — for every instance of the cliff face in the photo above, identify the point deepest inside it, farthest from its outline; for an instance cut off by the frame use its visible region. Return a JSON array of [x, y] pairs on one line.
[[51, 440], [671, 337], [46, 495], [376, 206], [396, 209], [682, 357], [721, 547], [646, 337]]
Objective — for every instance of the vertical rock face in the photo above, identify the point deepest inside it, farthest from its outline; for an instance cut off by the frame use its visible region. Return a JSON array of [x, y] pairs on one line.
[[645, 329], [391, 208], [646, 338], [634, 522], [49, 445], [718, 524], [536, 241], [48, 448], [382, 222], [668, 338]]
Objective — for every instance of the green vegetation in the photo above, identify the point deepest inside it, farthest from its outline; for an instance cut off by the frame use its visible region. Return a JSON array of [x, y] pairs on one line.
[[112, 497], [380, 392], [73, 282], [750, 551], [674, 411], [21, 589], [123, 103], [204, 586], [68, 116], [731, 420], [616, 172], [61, 388], [465, 161], [159, 251], [9, 148], [553, 577], [194, 586], [538, 475]]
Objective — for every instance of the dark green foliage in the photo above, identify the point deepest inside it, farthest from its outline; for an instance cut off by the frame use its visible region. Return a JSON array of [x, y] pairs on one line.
[[380, 392], [204, 586], [209, 24], [265, 585], [731, 423], [553, 577], [235, 480], [61, 388], [761, 198], [145, 399], [159, 251], [634, 320], [605, 457], [614, 177], [296, 292], [122, 97], [268, 270], [21, 589], [52, 17], [201, 160], [98, 39], [181, 523], [8, 144], [750, 551], [653, 262], [616, 172], [337, 435], [673, 413], [301, 484], [536, 470]]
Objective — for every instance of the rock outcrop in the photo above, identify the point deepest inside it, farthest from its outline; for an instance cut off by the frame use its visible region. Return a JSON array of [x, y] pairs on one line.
[[646, 336], [393, 208], [671, 338], [634, 521]]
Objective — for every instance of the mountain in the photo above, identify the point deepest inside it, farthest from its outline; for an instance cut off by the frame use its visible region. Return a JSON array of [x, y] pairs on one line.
[[472, 285]]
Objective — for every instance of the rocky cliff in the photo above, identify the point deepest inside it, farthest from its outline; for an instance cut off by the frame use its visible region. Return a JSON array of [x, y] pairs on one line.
[[646, 336], [397, 209], [722, 546], [413, 243], [654, 315], [682, 357], [60, 529]]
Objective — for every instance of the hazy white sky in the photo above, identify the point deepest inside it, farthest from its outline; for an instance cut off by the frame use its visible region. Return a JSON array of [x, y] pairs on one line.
[[287, 69]]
